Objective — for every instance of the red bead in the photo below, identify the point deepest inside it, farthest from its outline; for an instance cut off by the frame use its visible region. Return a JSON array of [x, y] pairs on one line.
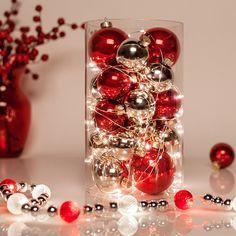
[[154, 172], [69, 211], [38, 28], [163, 42], [61, 21], [103, 45], [221, 155], [113, 83], [10, 183], [168, 104], [38, 8], [35, 76], [62, 34], [106, 116], [183, 199], [74, 26]]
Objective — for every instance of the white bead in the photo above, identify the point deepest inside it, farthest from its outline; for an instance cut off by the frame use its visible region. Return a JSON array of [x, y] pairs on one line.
[[233, 204], [15, 202], [40, 189], [127, 225], [128, 205]]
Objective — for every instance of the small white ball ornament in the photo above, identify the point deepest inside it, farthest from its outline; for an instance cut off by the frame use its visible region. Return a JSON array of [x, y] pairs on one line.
[[41, 189], [15, 202], [128, 205]]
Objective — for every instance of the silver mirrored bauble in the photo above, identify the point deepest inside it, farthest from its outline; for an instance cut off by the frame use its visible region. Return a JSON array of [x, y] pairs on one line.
[[93, 88], [107, 172], [132, 54], [97, 140], [160, 77], [140, 106], [123, 139]]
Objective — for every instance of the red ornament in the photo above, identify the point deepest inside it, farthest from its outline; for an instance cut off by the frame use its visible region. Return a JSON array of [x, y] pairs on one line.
[[107, 116], [10, 183], [222, 155], [168, 104], [183, 199], [103, 45], [113, 83], [69, 211], [154, 172], [164, 43]]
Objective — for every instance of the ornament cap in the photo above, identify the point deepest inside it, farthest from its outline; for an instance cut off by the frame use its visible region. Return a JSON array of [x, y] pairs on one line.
[[106, 24], [144, 40]]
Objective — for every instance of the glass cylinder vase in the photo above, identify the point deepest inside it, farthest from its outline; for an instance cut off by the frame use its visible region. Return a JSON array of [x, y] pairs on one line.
[[134, 106]]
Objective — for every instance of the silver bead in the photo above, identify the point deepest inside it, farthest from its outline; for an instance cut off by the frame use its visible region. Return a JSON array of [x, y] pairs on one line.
[[160, 77], [140, 106], [52, 211], [42, 200], [23, 187], [34, 210], [34, 201], [26, 208], [122, 140], [132, 54]]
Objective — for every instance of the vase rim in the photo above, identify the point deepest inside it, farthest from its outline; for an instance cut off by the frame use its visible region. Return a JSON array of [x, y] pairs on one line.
[[95, 22]]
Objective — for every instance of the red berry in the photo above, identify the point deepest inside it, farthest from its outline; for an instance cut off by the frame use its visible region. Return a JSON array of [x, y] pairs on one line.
[[183, 199], [36, 18], [38, 8], [61, 21], [7, 14], [69, 211], [14, 1], [15, 12], [35, 76], [27, 71], [62, 34], [55, 30], [74, 26], [44, 57], [82, 26], [24, 29], [10, 183], [54, 37]]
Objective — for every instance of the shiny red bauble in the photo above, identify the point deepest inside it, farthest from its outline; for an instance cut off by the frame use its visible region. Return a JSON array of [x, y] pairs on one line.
[[164, 43], [10, 183], [154, 172], [183, 199], [113, 83], [168, 104], [103, 45], [108, 117], [221, 155], [69, 211]]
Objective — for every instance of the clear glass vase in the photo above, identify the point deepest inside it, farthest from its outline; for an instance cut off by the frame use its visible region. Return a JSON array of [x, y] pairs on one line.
[[134, 106]]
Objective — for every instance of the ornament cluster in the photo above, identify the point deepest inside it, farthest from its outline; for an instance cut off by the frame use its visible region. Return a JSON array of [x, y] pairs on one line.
[[134, 109]]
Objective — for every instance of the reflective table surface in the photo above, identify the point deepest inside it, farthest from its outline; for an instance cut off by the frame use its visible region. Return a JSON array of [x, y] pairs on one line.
[[69, 180]]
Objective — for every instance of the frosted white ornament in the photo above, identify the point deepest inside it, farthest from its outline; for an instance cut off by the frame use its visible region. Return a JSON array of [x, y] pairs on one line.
[[41, 189], [15, 202], [127, 225], [128, 205]]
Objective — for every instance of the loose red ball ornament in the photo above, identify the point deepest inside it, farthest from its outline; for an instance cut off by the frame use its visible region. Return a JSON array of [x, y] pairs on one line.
[[183, 199], [168, 104], [164, 43], [10, 183], [103, 45], [107, 116], [113, 83], [69, 211], [221, 155], [154, 172]]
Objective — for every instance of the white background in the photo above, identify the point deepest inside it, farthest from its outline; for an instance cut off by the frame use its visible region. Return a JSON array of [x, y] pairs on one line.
[[209, 72]]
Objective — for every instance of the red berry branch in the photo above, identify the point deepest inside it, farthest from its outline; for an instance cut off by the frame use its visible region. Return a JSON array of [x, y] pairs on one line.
[[19, 45]]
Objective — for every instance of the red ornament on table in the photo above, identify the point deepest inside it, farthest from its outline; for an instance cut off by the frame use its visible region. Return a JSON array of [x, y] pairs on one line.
[[10, 183], [164, 43], [154, 172], [103, 45], [113, 83], [183, 199], [221, 155], [69, 211], [107, 117], [168, 104]]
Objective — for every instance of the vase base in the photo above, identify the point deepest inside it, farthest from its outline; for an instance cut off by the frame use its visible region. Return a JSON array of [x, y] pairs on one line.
[[5, 155]]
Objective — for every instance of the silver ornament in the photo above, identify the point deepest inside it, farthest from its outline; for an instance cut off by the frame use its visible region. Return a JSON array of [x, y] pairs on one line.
[[132, 54], [140, 106], [107, 172], [123, 139], [97, 140], [160, 77], [93, 88]]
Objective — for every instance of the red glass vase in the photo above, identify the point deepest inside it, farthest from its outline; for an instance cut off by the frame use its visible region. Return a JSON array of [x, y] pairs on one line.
[[15, 114]]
